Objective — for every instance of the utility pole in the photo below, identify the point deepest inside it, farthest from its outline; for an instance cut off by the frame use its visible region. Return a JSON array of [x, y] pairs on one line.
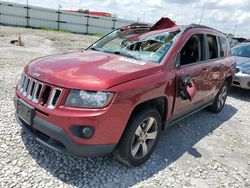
[[202, 14], [59, 7], [138, 19], [235, 27], [143, 18]]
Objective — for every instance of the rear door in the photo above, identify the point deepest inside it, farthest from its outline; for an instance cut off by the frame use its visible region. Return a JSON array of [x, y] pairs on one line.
[[217, 52], [193, 62]]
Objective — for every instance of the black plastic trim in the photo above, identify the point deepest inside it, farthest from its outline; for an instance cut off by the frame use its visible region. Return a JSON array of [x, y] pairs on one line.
[[60, 141], [183, 116]]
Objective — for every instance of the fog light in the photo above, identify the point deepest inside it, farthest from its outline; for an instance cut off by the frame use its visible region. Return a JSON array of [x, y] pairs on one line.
[[87, 132], [82, 131]]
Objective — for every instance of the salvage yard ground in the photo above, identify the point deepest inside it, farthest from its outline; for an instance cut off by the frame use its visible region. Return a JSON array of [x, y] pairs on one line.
[[204, 150]]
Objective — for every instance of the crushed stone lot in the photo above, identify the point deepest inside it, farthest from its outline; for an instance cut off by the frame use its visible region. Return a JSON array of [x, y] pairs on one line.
[[204, 150]]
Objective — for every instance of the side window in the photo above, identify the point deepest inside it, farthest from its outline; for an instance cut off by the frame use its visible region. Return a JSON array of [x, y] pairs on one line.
[[212, 47], [223, 46], [193, 51]]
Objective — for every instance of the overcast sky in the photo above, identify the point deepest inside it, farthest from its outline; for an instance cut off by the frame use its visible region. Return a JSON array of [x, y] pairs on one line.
[[220, 14]]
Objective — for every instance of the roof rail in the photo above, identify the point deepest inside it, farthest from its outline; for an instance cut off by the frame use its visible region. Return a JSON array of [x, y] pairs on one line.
[[201, 26], [135, 26]]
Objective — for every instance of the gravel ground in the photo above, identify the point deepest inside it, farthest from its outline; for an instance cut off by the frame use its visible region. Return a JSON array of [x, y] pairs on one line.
[[204, 150]]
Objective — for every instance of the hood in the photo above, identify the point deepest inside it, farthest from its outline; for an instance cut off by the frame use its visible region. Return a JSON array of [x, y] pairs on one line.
[[89, 70], [242, 61]]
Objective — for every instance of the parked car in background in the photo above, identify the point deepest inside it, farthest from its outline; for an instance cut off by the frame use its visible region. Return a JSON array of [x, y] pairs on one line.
[[241, 53], [121, 92]]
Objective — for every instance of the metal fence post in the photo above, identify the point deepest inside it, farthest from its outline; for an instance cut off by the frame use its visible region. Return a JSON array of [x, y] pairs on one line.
[[27, 16], [87, 24], [113, 27], [0, 13], [58, 19], [20, 15]]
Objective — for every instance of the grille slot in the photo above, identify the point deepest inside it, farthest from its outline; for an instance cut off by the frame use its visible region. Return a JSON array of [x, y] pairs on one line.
[[54, 98], [38, 89], [39, 92], [31, 89], [45, 95], [21, 82], [25, 86]]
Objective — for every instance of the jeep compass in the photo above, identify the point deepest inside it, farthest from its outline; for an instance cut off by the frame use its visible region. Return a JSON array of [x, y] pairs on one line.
[[119, 94]]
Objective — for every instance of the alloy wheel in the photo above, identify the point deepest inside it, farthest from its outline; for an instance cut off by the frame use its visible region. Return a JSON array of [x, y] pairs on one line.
[[144, 138], [222, 96]]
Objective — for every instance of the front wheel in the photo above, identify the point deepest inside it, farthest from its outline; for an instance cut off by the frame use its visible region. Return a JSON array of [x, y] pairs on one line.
[[140, 137], [220, 99]]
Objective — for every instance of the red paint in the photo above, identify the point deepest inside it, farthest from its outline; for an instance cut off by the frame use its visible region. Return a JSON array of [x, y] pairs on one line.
[[163, 23], [75, 70], [105, 14], [191, 91], [133, 82]]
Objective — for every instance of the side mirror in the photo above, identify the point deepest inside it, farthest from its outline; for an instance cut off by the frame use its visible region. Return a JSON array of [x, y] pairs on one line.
[[191, 91], [124, 43], [185, 80], [178, 60], [187, 88]]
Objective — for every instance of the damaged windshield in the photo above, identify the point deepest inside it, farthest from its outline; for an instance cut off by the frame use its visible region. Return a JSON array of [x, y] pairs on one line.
[[133, 43]]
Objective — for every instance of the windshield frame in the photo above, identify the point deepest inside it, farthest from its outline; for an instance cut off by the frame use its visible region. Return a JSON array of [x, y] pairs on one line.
[[156, 32]]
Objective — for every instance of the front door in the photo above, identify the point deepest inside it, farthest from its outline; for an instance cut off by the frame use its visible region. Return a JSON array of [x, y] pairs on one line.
[[193, 63]]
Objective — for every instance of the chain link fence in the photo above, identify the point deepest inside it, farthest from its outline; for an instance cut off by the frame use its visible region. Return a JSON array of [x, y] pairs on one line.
[[36, 17]]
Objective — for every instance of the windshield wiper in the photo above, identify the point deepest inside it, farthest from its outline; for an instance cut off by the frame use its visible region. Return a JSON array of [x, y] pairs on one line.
[[125, 54], [95, 49]]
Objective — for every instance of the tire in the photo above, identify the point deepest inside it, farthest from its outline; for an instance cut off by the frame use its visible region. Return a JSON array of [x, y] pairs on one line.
[[220, 99], [139, 138]]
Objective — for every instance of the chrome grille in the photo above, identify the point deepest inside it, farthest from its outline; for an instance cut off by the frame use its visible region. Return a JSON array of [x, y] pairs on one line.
[[54, 98], [39, 92]]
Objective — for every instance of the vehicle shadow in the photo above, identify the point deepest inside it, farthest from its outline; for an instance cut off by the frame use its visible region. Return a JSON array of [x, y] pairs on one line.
[[105, 171], [239, 93]]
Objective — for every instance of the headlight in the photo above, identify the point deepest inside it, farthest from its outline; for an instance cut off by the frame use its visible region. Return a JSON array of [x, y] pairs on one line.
[[246, 71], [88, 99]]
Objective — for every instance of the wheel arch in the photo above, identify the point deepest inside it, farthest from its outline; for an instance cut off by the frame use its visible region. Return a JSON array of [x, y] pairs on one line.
[[159, 103], [152, 105]]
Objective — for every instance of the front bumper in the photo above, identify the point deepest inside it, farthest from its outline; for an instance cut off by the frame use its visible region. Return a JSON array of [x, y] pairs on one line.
[[242, 80], [57, 139]]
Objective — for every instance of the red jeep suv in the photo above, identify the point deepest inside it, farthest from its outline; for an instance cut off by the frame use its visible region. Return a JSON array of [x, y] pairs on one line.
[[121, 92]]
